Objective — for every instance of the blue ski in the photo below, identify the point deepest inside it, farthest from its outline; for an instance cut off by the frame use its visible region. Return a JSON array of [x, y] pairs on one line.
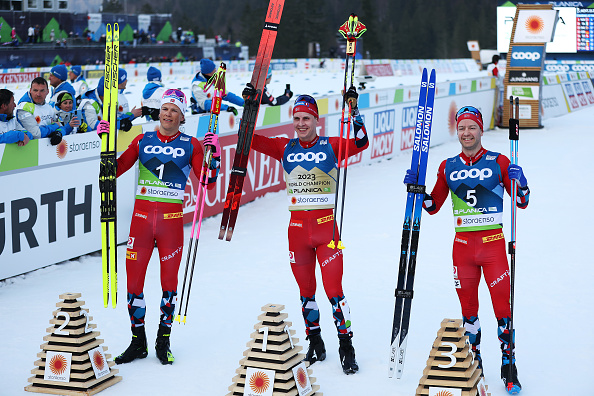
[[412, 225]]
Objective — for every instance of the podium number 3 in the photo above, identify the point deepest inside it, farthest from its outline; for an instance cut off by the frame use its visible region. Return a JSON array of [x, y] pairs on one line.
[[449, 354]]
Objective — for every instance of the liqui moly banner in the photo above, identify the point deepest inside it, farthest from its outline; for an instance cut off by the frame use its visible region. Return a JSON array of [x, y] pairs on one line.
[[383, 133]]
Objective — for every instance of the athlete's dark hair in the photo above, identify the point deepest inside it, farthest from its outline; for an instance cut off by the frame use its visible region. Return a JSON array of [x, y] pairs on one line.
[[5, 96], [39, 81]]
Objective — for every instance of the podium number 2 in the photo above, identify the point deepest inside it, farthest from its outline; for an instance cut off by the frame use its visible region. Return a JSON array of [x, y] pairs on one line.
[[66, 321], [449, 354]]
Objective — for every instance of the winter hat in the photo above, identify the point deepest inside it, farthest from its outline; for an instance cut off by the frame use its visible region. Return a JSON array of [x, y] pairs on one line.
[[269, 74], [176, 97], [60, 71], [207, 66], [306, 104], [77, 70], [153, 74], [63, 96], [122, 75], [100, 86], [469, 113]]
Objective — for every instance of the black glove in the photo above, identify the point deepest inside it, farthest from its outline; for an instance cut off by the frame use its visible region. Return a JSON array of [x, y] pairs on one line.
[[55, 137], [153, 113], [289, 93], [232, 109], [248, 91], [125, 124], [351, 96]]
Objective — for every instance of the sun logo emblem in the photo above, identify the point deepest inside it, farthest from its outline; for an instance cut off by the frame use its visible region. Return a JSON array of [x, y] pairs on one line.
[[98, 360], [62, 149], [259, 382], [444, 392], [58, 364], [452, 118], [301, 377], [534, 24]]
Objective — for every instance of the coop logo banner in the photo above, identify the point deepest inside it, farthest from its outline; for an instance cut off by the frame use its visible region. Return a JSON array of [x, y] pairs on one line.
[[527, 56], [407, 135], [383, 133]]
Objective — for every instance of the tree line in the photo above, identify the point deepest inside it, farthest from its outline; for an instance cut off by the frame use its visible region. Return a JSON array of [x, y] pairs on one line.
[[397, 29]]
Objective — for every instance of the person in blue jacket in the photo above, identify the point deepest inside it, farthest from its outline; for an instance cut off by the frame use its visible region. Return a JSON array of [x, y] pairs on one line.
[[58, 79], [151, 94], [10, 130], [201, 100], [91, 106], [37, 116]]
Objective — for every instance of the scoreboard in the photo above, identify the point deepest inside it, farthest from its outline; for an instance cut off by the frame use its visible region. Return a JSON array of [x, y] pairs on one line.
[[574, 31]]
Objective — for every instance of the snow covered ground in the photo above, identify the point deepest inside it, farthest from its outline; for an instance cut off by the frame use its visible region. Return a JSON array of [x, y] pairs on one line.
[[233, 280]]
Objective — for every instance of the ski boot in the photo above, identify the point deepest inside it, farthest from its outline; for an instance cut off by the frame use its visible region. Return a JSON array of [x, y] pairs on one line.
[[317, 350], [512, 385], [162, 345], [137, 349], [347, 356]]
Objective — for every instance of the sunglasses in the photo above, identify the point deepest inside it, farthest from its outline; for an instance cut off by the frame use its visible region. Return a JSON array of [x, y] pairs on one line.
[[469, 109], [306, 99], [176, 94]]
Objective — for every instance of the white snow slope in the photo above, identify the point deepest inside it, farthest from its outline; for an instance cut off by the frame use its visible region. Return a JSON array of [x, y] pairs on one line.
[[233, 280]]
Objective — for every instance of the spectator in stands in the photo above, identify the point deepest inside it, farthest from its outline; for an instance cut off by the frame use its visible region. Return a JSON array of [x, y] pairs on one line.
[[492, 68], [200, 101], [268, 99], [10, 130], [31, 35], [91, 107], [77, 80], [152, 94], [37, 116], [58, 79]]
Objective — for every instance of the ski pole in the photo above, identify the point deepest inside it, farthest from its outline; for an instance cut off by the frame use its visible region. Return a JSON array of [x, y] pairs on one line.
[[514, 136], [218, 81]]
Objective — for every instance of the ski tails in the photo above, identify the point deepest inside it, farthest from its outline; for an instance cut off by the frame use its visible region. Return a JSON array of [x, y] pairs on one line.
[[249, 118], [412, 226], [107, 168]]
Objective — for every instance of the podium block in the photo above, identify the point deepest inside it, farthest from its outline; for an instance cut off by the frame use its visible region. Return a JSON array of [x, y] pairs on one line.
[[272, 364], [72, 361], [451, 364]]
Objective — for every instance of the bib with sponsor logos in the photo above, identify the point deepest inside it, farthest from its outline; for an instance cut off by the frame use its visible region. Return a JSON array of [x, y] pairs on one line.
[[163, 168], [477, 193], [310, 175]]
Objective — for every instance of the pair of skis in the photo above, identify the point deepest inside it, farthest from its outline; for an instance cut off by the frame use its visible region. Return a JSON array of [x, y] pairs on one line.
[[412, 225], [218, 82], [351, 30], [249, 118], [514, 136], [107, 168]]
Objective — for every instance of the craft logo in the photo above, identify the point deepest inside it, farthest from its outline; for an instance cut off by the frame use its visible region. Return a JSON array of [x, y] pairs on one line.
[[526, 56], [407, 136], [383, 133], [259, 382]]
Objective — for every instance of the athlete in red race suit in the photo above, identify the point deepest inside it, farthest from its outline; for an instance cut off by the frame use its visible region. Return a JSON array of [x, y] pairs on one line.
[[165, 157], [310, 165], [476, 179]]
